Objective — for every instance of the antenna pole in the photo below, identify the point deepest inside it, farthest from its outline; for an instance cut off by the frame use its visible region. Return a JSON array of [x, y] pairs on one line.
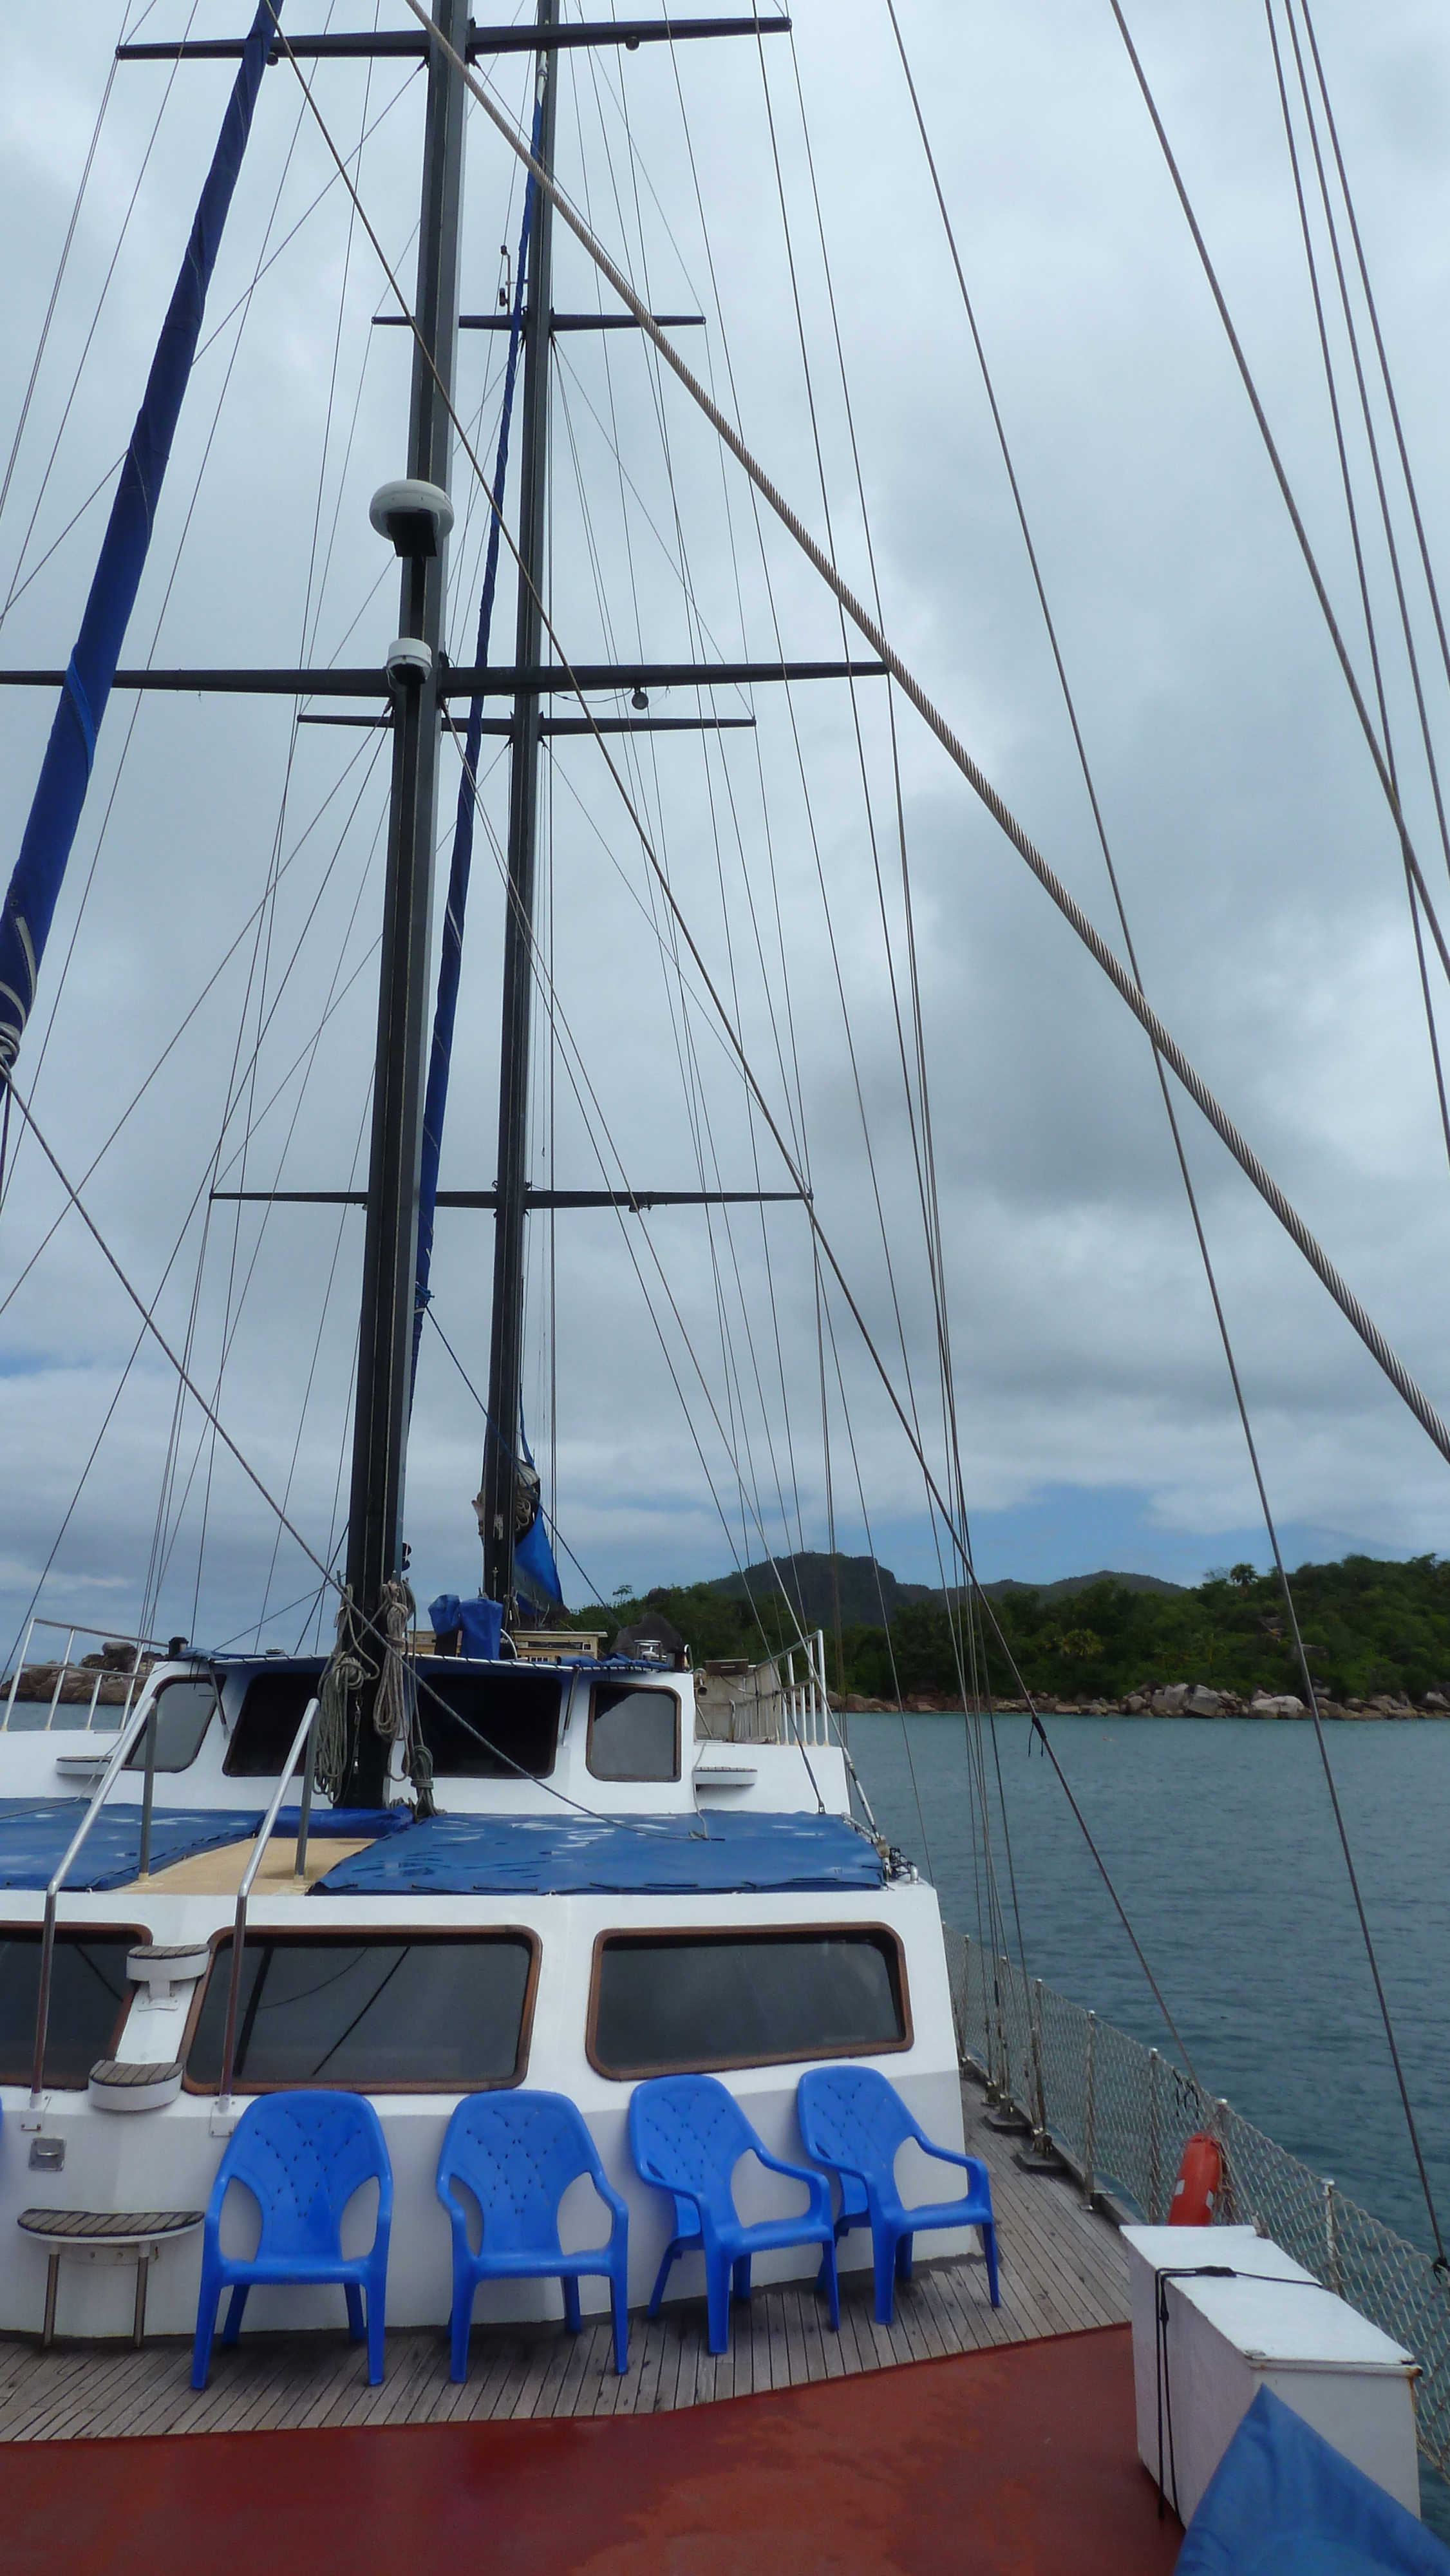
[[375, 1523], [497, 1501]]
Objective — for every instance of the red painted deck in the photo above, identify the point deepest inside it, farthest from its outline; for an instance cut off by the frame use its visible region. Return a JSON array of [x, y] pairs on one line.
[[1013, 2462]]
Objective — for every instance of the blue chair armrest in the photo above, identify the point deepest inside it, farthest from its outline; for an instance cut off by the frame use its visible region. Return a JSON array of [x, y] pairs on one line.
[[617, 2207], [811, 2175], [847, 2173], [946, 2155]]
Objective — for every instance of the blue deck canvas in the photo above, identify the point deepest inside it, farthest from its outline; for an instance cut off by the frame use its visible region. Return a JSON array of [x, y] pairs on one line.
[[35, 1831], [574, 1855], [1284, 2502]]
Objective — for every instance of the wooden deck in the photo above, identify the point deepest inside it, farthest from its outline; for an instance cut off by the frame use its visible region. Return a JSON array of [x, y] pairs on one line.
[[1062, 2268]]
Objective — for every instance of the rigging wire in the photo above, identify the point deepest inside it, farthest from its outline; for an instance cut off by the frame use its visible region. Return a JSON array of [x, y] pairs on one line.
[[1372, 309], [637, 1824], [1352, 513], [1112, 966], [925, 1175], [696, 1102], [10, 596], [65, 252], [1131, 991], [1210, 1275], [1376, 751]]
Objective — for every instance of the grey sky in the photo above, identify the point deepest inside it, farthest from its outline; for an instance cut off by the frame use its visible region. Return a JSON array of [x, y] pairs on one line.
[[1262, 876]]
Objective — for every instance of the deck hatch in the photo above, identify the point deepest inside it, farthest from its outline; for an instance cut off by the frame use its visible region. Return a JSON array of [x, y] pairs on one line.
[[664, 2002], [90, 1995], [429, 2013]]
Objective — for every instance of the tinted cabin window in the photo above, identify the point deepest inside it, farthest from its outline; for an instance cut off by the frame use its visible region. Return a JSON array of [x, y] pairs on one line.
[[488, 1725], [420, 2016], [89, 1992], [634, 1734], [271, 1712], [672, 2001], [184, 1711]]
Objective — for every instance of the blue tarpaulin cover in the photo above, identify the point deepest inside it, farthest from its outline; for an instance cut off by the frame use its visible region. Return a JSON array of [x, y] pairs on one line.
[[35, 1831], [1283, 2502], [343, 1824], [573, 1855]]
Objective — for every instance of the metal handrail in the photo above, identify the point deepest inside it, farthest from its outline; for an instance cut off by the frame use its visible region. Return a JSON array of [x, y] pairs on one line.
[[74, 1628], [124, 1742], [239, 1928]]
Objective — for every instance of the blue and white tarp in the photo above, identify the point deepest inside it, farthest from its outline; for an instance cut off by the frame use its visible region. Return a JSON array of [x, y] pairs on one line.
[[1283, 2502], [575, 1855]]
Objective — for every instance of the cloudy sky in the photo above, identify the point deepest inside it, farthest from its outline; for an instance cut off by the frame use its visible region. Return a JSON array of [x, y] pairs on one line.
[[222, 906]]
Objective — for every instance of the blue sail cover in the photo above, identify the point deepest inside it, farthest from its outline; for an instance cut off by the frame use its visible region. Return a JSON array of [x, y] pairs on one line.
[[435, 1103], [533, 1556], [1283, 2502], [70, 753], [577, 1855]]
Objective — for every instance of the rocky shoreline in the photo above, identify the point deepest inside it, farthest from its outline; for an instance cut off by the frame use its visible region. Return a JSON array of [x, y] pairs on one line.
[[1166, 1699]]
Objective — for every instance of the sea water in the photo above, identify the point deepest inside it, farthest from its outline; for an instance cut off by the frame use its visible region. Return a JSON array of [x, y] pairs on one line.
[[1219, 1837]]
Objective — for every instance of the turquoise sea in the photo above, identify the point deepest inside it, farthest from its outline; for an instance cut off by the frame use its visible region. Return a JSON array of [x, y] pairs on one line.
[[1220, 1840]]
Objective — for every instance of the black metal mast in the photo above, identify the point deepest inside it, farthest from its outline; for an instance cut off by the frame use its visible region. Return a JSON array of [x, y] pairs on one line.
[[380, 1431], [497, 1502]]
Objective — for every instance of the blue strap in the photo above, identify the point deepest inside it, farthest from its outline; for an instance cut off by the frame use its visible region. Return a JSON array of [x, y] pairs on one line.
[[76, 689]]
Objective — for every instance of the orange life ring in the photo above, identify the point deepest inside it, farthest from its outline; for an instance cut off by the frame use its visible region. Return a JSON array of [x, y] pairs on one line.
[[1199, 2188]]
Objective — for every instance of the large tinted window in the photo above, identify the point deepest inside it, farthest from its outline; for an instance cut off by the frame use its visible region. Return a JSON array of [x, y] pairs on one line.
[[89, 1993], [634, 1734], [419, 2015], [669, 2001], [271, 1712], [488, 1725], [184, 1711]]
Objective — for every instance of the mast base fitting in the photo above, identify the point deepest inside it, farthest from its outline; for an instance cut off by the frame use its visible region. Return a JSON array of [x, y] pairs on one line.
[[416, 517], [409, 662]]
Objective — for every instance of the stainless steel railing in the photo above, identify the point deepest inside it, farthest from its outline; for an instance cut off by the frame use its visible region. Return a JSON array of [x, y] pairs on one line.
[[1119, 2114], [306, 1735], [135, 1719], [97, 1675]]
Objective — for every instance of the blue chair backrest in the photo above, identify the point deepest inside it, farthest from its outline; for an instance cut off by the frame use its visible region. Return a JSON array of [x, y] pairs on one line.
[[689, 2133], [518, 2153], [302, 2156], [851, 2115]]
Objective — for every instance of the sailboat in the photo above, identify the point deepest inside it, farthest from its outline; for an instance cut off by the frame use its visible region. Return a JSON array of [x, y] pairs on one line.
[[418, 1866]]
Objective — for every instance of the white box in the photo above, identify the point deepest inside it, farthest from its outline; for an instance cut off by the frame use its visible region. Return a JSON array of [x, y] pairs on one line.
[[1271, 2326]]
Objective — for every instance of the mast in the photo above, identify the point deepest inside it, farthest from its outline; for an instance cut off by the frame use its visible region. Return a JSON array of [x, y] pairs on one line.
[[374, 1545], [497, 1501]]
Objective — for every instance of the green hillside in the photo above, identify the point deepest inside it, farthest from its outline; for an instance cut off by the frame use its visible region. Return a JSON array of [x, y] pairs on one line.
[[1371, 1626]]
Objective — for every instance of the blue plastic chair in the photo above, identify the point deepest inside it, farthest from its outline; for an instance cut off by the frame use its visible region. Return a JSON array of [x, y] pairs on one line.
[[854, 2122], [687, 2135], [301, 2156], [517, 2153]]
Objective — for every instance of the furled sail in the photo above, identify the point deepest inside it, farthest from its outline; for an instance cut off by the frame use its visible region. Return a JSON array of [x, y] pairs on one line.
[[70, 753]]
